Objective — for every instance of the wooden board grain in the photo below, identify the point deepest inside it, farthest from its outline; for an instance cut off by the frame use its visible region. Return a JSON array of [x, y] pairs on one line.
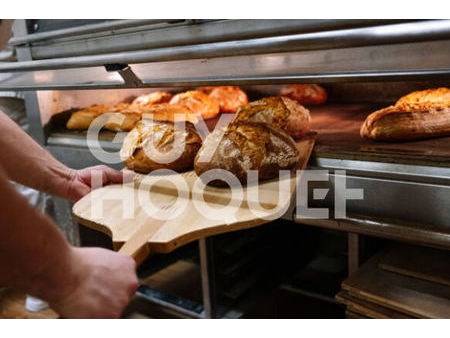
[[116, 211], [414, 297], [418, 262], [368, 309]]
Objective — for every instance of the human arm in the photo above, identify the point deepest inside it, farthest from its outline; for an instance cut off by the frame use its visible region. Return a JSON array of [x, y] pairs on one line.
[[37, 259], [26, 162]]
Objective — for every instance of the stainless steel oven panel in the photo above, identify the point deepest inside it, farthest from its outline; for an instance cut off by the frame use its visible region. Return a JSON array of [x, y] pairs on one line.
[[424, 203]]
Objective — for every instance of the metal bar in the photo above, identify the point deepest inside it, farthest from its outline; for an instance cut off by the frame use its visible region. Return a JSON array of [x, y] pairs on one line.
[[370, 226], [353, 252], [249, 80], [208, 277], [174, 303], [388, 34], [209, 31], [130, 78], [31, 100], [87, 29], [406, 172]]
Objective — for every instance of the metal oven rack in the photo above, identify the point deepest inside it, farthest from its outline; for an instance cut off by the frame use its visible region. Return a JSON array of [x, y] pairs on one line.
[[177, 53]]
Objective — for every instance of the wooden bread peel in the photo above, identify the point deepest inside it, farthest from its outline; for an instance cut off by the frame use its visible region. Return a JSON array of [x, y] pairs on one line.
[[140, 234]]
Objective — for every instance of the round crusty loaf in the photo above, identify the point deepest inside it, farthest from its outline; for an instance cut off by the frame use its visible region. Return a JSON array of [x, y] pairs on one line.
[[280, 112], [246, 146], [153, 145]]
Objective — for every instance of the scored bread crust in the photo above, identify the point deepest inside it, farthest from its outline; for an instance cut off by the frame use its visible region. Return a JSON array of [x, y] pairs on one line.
[[280, 112], [198, 102], [418, 115], [395, 124], [162, 135], [423, 99], [247, 146]]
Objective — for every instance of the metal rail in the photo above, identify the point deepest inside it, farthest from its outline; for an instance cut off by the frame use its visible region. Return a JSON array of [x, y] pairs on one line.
[[419, 234], [387, 34], [436, 74], [200, 31], [88, 29]]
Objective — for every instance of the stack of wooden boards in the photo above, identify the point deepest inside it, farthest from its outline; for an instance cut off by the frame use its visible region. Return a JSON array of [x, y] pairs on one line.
[[400, 282]]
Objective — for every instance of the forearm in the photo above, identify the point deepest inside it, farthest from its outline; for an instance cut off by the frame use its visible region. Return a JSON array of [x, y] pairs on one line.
[[34, 255], [26, 162]]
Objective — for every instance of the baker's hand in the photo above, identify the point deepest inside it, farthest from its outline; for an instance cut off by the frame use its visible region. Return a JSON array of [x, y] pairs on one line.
[[80, 180], [104, 283]]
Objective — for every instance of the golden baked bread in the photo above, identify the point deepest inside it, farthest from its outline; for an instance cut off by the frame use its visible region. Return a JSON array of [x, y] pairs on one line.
[[435, 98], [419, 115], [309, 94], [82, 119], [205, 89], [280, 112], [247, 146], [198, 102], [152, 145], [230, 98], [152, 98], [122, 117], [169, 112]]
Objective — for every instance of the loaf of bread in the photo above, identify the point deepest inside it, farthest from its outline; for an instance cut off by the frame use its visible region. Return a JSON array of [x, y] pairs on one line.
[[435, 98], [280, 112], [309, 94], [122, 117], [246, 146], [169, 112], [230, 98], [419, 115], [198, 102], [152, 145], [152, 98], [82, 119]]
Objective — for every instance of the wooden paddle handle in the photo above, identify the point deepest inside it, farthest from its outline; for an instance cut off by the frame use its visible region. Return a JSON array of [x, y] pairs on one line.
[[137, 246], [138, 253]]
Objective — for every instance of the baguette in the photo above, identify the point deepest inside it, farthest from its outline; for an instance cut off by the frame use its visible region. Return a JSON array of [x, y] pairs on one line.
[[82, 119]]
